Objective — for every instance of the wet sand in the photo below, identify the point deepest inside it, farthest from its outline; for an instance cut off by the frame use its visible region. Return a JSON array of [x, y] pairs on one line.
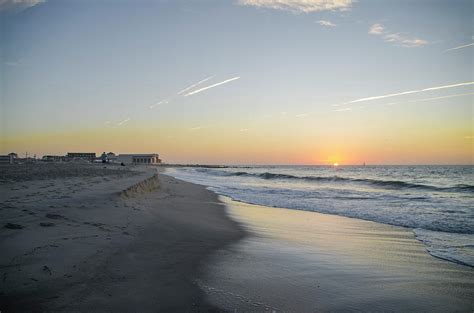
[[298, 261], [84, 238]]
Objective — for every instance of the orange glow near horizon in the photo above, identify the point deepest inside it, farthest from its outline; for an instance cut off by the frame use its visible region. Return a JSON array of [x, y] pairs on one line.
[[224, 146]]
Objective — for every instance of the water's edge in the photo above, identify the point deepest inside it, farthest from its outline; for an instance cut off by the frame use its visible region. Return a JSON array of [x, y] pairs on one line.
[[418, 234]]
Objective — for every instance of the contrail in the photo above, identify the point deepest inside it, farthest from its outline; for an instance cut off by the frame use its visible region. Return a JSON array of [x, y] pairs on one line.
[[211, 86], [196, 84], [342, 110], [449, 86], [460, 47], [410, 92], [123, 122], [167, 100], [160, 102], [414, 101], [434, 98], [302, 115]]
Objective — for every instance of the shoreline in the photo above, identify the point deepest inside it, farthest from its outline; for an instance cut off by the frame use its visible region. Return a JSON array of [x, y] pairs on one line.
[[111, 247], [412, 230], [310, 262], [436, 210]]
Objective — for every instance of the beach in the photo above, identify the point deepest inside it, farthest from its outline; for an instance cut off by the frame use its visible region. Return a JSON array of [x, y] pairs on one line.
[[270, 156], [84, 238], [103, 238]]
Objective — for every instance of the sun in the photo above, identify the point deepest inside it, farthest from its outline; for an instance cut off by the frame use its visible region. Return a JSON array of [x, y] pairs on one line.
[[336, 164]]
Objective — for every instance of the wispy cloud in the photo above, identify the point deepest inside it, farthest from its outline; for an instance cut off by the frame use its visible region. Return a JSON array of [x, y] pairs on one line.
[[244, 129], [459, 47], [376, 29], [195, 128], [300, 6], [409, 92], [18, 5], [211, 86], [405, 41], [400, 39], [326, 23], [195, 85]]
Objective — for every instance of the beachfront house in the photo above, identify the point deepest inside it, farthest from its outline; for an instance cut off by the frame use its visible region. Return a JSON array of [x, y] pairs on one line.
[[150, 158], [6, 159], [88, 156], [54, 158], [9, 158], [111, 156]]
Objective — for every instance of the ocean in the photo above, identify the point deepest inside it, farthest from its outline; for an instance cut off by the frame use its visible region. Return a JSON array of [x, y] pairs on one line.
[[436, 202]]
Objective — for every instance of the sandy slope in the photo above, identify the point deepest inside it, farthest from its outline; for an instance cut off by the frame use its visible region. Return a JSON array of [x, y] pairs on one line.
[[77, 238]]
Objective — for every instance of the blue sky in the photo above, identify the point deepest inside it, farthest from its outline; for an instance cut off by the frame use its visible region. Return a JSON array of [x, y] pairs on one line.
[[84, 65]]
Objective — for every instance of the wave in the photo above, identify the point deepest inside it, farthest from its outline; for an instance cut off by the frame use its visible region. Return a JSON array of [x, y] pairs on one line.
[[439, 215], [391, 184], [457, 248]]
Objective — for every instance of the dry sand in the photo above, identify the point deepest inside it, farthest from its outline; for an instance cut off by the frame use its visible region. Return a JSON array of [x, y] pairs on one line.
[[84, 238]]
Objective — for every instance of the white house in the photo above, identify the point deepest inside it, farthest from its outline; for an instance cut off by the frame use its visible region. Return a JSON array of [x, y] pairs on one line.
[[151, 158]]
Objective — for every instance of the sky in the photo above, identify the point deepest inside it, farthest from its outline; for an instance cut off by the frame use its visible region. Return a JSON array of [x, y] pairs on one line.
[[240, 81]]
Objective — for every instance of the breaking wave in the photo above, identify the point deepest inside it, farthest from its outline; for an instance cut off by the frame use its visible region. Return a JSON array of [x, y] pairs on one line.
[[393, 184]]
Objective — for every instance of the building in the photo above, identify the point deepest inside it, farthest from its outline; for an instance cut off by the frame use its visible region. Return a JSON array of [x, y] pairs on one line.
[[151, 158], [111, 157], [54, 158], [103, 158], [89, 156], [6, 159], [9, 158]]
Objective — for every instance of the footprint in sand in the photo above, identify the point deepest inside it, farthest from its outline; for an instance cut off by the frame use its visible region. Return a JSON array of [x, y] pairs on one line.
[[47, 270], [13, 226], [47, 224], [55, 216]]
